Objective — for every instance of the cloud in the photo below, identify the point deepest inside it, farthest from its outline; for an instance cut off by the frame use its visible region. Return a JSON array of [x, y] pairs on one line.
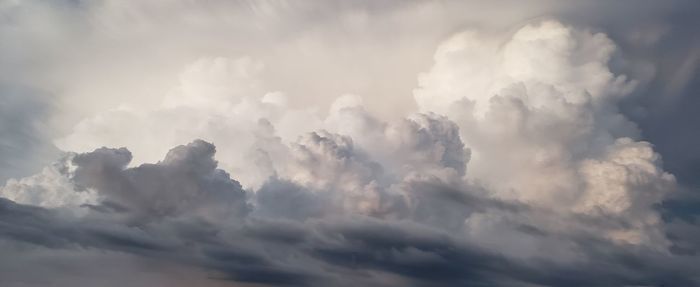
[[544, 102], [51, 187], [515, 158], [187, 180], [305, 232], [217, 99], [337, 252]]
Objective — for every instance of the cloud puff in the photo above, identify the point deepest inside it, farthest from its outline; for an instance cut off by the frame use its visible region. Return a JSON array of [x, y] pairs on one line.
[[51, 187], [187, 180], [218, 100], [545, 102]]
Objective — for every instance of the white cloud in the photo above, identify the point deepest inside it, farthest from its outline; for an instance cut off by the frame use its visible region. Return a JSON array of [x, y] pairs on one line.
[[539, 112], [49, 188], [543, 102]]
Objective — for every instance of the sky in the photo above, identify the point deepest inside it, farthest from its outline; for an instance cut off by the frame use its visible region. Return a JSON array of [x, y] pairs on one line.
[[349, 143]]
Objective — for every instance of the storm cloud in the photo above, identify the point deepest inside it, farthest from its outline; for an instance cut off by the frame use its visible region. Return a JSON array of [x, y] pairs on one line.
[[419, 143]]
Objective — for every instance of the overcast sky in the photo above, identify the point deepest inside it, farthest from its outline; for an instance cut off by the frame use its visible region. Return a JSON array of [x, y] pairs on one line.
[[349, 143]]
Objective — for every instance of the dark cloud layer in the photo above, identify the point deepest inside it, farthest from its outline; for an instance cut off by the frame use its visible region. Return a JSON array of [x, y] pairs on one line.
[[281, 246]]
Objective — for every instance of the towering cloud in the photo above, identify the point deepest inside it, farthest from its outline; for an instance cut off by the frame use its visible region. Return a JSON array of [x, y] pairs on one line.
[[520, 164], [545, 102]]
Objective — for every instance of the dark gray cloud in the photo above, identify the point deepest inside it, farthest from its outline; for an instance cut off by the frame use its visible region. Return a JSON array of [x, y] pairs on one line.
[[278, 198], [340, 252], [288, 241], [187, 180]]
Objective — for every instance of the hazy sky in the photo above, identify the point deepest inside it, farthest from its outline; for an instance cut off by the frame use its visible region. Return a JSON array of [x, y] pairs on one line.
[[349, 143]]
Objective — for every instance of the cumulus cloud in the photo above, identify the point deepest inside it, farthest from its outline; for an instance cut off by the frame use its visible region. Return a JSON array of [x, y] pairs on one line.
[[218, 100], [520, 166], [545, 102], [294, 235], [186, 180], [49, 188]]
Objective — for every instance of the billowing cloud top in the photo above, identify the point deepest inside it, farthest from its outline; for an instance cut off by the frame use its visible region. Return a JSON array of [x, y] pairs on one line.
[[474, 151]]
